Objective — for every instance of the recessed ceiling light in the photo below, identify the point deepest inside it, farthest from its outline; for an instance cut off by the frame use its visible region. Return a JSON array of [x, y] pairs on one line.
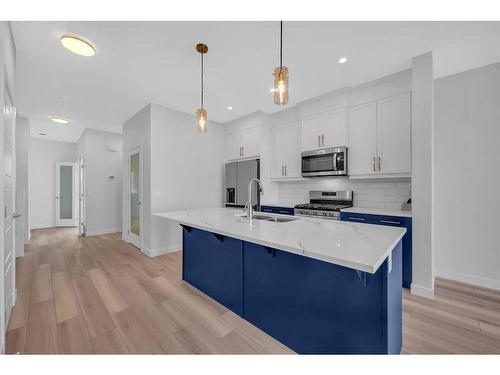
[[78, 45], [343, 60], [230, 108], [59, 119]]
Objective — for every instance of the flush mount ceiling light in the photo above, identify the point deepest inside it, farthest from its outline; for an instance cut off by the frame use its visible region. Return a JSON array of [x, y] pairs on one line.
[[230, 108], [281, 76], [343, 60], [59, 119], [78, 45], [201, 113]]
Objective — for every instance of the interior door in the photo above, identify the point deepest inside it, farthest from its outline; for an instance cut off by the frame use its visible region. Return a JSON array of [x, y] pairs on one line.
[[82, 229], [9, 193], [65, 213], [134, 232]]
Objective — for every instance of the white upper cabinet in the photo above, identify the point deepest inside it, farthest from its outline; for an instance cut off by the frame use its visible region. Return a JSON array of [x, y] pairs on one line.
[[243, 143], [286, 163], [362, 151], [394, 134], [334, 129], [311, 132], [324, 130], [380, 138]]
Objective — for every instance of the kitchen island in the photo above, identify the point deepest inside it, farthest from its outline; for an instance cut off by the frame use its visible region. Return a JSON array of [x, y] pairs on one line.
[[318, 286]]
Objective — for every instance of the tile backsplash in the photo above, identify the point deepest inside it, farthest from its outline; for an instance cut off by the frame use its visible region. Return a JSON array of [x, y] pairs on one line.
[[386, 194]]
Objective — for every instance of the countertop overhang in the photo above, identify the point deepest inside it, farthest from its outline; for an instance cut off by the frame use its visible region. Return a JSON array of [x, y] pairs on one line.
[[363, 247]]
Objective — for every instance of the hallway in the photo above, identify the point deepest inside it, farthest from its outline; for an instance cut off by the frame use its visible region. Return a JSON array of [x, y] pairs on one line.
[[99, 294]]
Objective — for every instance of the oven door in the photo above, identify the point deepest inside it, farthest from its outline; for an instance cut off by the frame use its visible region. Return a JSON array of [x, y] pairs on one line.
[[325, 162]]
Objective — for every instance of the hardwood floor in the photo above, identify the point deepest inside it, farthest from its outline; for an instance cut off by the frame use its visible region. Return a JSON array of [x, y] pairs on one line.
[[101, 295]]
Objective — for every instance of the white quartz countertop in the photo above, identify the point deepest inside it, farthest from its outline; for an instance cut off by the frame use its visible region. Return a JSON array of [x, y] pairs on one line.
[[377, 211], [362, 247]]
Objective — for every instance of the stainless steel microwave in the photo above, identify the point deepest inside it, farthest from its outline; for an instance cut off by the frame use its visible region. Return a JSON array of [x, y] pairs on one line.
[[325, 162]]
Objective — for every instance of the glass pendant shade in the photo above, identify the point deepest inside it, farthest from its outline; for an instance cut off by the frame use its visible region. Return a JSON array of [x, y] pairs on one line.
[[201, 120], [281, 85]]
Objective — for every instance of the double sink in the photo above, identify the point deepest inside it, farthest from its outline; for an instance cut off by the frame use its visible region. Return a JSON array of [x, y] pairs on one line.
[[275, 219]]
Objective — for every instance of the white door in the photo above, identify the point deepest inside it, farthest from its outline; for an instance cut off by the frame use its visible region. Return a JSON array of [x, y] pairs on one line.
[[65, 212], [9, 194], [311, 132], [333, 131], [82, 229], [394, 134], [286, 149], [362, 139], [134, 232]]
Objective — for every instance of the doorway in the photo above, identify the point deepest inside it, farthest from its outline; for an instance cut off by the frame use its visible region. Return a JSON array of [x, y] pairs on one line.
[[134, 197], [65, 194]]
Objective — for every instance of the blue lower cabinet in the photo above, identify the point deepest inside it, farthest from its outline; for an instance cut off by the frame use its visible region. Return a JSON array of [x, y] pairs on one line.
[[277, 210], [214, 264], [315, 307], [396, 221]]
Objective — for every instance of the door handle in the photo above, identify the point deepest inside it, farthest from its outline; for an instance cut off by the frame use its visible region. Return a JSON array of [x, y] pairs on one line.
[[374, 164], [390, 222], [322, 140], [282, 170], [243, 151], [285, 170], [379, 163], [15, 216], [319, 140], [356, 218]]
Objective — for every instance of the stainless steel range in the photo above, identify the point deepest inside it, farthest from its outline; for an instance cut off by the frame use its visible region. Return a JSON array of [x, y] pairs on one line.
[[325, 204]]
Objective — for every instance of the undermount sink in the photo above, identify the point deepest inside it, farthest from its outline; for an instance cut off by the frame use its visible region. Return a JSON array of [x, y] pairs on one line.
[[273, 218]]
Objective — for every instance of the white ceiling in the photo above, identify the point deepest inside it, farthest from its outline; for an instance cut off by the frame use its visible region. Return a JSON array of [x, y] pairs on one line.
[[142, 62]]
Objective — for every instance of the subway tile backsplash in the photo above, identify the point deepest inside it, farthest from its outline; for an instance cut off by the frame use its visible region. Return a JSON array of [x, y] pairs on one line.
[[386, 194]]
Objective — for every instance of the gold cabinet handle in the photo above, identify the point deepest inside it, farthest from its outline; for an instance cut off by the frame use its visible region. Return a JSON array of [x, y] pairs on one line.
[[285, 170], [322, 140], [379, 163], [282, 170], [319, 140], [374, 164], [243, 151]]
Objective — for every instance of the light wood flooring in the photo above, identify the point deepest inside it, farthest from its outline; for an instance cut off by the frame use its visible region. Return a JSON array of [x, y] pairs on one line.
[[100, 295]]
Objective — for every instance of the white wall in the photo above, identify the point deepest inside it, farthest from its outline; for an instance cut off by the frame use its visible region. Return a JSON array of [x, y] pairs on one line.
[[43, 157], [22, 178], [422, 174], [102, 152], [467, 176], [186, 170]]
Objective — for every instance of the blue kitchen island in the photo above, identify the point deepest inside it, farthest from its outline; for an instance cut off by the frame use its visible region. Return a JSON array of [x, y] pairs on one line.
[[317, 286]]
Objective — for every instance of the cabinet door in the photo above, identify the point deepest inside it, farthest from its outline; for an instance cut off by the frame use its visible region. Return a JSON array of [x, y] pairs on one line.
[[251, 142], [213, 264], [311, 131], [334, 129], [234, 142], [286, 151], [394, 134], [362, 139], [311, 306]]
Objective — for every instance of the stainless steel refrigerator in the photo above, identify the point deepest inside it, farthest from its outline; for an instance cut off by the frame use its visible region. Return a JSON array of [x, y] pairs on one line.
[[237, 176]]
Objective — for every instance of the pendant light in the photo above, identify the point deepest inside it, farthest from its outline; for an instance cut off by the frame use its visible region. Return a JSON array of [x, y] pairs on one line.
[[281, 77], [201, 113]]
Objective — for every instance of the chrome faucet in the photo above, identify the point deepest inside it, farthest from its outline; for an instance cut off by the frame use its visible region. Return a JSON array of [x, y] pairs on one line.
[[249, 203]]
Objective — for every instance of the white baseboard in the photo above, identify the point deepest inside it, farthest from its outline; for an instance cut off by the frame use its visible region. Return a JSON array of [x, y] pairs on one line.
[[103, 231], [469, 279], [422, 291], [42, 226], [161, 251]]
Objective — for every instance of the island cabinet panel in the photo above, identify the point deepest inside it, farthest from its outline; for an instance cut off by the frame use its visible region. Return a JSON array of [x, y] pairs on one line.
[[394, 221], [315, 307], [277, 210], [214, 264]]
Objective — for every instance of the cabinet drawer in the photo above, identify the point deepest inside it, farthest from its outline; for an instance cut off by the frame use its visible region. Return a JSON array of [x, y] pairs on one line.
[[277, 210]]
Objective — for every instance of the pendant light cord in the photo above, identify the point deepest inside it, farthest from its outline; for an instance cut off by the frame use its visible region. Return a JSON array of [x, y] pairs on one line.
[[281, 44], [202, 81]]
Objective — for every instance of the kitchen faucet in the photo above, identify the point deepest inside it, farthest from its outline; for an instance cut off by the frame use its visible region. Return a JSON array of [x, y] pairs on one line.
[[249, 203]]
